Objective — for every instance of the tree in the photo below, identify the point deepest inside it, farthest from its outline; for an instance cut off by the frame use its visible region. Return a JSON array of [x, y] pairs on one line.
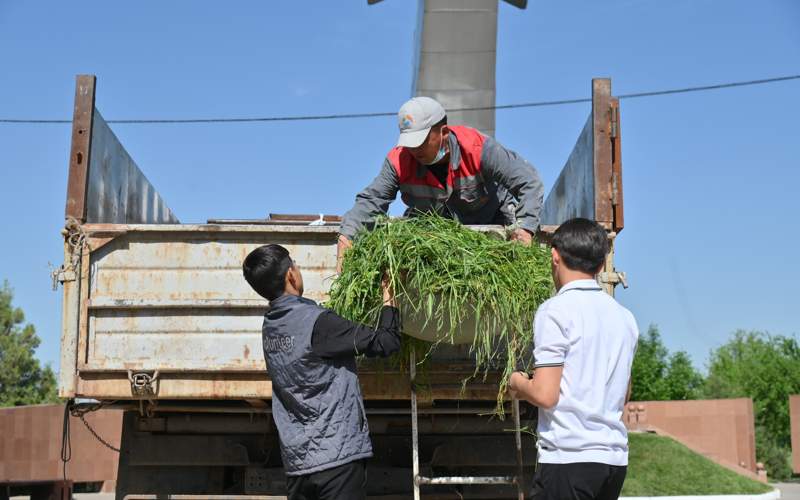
[[649, 367], [659, 376], [682, 380], [765, 368], [22, 380]]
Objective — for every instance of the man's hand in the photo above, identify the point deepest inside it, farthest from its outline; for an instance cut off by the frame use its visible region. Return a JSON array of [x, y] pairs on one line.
[[388, 292], [542, 389], [522, 235], [515, 381], [341, 246]]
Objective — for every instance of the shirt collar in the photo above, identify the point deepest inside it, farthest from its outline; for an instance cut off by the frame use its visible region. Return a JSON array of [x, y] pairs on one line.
[[580, 285]]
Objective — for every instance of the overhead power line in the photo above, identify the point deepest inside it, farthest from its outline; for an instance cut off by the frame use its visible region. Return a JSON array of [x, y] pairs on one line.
[[344, 116]]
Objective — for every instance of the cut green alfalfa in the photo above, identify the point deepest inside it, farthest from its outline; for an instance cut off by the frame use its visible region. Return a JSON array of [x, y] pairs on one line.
[[446, 276]]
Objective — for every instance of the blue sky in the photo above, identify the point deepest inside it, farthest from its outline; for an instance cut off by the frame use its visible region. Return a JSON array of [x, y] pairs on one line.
[[711, 236]]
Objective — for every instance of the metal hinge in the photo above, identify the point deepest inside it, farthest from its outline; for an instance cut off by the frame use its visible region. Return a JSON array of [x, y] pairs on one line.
[[614, 278], [143, 384]]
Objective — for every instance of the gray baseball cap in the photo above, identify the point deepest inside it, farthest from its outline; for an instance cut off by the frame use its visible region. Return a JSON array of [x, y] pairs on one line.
[[415, 119]]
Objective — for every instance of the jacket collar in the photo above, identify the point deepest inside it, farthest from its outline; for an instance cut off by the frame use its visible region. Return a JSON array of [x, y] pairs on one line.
[[455, 151], [287, 300]]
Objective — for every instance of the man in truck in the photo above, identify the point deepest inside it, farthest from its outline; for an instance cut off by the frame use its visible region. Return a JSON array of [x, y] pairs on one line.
[[452, 170], [317, 404], [584, 343]]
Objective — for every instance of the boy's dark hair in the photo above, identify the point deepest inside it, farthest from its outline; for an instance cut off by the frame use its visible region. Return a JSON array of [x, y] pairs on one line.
[[582, 244], [265, 270], [441, 122]]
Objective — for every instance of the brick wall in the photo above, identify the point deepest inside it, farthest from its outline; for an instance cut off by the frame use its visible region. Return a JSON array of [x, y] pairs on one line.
[[794, 413], [721, 429], [30, 445]]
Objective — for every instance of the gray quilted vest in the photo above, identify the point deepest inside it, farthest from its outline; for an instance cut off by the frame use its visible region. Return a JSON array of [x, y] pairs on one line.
[[316, 403]]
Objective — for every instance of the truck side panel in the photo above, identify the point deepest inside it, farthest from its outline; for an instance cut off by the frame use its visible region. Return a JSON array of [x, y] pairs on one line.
[[590, 184], [171, 299], [175, 299], [105, 185], [572, 194]]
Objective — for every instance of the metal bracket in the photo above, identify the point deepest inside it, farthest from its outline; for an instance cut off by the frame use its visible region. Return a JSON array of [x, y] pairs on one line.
[[62, 275], [75, 238], [143, 384], [614, 278]]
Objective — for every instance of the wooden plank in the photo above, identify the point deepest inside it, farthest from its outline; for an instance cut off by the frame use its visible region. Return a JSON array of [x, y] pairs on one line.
[[601, 131], [83, 114], [616, 161]]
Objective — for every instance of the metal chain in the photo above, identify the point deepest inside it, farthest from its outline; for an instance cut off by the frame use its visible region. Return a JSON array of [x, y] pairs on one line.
[[66, 442], [76, 239], [81, 414], [97, 436]]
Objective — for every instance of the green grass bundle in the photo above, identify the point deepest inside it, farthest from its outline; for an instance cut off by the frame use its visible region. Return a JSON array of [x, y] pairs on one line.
[[449, 275]]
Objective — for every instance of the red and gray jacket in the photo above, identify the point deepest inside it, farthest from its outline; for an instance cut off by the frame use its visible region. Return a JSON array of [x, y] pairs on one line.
[[486, 184]]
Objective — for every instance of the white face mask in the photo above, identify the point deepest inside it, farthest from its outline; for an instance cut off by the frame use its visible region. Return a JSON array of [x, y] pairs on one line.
[[440, 154]]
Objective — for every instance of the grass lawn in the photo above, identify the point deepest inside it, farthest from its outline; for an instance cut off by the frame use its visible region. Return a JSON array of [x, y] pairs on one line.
[[660, 466]]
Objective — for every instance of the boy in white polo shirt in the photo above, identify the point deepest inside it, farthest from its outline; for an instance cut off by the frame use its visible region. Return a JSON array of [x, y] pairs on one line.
[[584, 343]]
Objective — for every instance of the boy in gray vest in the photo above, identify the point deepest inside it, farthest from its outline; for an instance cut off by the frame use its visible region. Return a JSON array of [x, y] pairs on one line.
[[317, 404]]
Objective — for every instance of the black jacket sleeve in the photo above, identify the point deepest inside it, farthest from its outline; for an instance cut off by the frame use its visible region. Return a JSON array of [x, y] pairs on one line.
[[334, 336]]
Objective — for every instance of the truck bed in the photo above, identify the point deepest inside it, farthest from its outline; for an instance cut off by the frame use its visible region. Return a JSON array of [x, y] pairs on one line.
[[158, 310]]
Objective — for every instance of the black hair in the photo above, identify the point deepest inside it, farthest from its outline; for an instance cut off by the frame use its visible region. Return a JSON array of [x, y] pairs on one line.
[[443, 121], [582, 245], [265, 270]]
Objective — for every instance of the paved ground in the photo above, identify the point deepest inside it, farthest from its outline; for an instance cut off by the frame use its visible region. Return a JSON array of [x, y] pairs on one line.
[[79, 496], [789, 491]]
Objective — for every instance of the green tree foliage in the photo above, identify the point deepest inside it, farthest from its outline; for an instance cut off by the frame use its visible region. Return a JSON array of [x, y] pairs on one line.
[[765, 368], [22, 380], [659, 376], [776, 458], [682, 380]]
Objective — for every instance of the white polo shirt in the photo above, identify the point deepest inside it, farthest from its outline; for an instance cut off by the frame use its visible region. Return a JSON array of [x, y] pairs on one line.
[[594, 338]]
